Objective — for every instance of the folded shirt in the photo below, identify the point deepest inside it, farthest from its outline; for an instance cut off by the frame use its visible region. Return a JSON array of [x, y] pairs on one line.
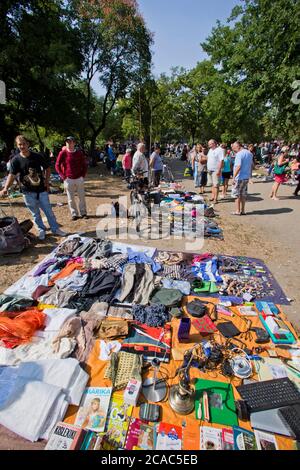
[[55, 318], [27, 285]]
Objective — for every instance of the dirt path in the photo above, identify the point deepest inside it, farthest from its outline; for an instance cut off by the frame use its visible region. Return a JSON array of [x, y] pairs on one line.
[[270, 231]]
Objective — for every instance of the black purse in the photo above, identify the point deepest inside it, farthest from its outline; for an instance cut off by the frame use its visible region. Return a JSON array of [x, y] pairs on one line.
[[196, 308]]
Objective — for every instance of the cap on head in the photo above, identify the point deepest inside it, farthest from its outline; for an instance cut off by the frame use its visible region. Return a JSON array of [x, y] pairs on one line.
[[70, 138]]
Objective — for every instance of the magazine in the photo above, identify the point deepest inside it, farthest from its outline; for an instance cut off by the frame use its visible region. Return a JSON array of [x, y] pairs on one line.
[[265, 441], [146, 440], [168, 437], [118, 421], [227, 439], [247, 311], [140, 435], [243, 439], [210, 438], [93, 408]]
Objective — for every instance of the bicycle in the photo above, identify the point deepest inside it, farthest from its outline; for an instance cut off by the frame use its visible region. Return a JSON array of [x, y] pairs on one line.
[[141, 197], [167, 175]]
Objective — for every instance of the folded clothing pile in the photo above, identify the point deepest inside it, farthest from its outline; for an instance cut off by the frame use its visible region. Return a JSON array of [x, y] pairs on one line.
[[35, 395]]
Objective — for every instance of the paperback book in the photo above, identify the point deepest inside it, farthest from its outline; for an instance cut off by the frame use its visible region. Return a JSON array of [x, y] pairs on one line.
[[227, 439], [118, 421], [243, 439], [210, 438], [65, 437], [265, 441], [140, 435], [169, 437]]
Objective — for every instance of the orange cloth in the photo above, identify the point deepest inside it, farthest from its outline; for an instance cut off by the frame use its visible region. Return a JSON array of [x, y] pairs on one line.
[[191, 426], [66, 271], [20, 327]]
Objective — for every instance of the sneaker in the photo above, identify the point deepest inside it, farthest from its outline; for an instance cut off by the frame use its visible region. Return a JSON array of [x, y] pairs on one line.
[[75, 217], [85, 216], [59, 233], [42, 235]]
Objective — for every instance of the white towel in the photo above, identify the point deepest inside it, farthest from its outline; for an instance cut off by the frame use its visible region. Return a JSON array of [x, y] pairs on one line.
[[31, 408], [64, 373]]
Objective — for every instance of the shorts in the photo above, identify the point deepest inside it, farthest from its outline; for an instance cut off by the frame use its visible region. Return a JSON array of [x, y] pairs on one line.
[[240, 189], [280, 179], [213, 179], [226, 175]]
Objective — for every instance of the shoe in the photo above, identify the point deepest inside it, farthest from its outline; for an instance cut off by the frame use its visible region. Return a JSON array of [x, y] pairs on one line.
[[42, 235], [85, 216], [75, 217], [235, 213], [59, 233]]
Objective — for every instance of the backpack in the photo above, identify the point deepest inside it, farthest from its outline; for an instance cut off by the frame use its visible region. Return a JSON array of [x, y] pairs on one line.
[[12, 239]]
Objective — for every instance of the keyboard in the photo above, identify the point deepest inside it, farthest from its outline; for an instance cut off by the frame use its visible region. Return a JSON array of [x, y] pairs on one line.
[[270, 394], [291, 417]]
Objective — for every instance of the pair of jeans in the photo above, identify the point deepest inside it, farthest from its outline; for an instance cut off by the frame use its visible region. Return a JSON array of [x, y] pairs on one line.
[[156, 175], [36, 201]]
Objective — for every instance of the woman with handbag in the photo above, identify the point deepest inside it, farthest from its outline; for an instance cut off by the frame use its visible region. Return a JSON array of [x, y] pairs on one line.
[[199, 162], [280, 171]]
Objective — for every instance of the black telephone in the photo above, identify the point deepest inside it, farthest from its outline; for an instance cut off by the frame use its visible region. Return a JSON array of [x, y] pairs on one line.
[[262, 336], [149, 412]]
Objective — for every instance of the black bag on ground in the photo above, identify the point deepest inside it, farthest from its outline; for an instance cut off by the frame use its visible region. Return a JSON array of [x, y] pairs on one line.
[[11, 236], [196, 308]]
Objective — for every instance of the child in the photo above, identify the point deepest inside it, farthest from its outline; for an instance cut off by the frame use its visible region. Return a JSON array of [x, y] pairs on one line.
[[296, 170], [295, 167]]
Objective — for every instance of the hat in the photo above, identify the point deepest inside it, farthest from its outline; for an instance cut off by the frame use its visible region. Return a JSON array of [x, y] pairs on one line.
[[70, 138]]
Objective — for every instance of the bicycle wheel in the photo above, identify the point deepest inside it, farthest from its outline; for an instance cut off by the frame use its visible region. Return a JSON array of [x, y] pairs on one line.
[[132, 197]]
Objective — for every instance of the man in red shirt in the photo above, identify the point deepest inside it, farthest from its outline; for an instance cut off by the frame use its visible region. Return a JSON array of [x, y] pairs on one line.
[[71, 165]]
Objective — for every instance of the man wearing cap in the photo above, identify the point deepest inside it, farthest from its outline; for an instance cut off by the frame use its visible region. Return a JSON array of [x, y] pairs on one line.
[[71, 165]]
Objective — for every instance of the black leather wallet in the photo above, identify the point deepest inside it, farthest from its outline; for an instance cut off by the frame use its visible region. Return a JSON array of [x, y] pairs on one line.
[[228, 329]]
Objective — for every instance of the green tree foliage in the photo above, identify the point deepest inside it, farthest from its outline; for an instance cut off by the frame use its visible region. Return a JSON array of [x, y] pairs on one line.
[[257, 55], [116, 49], [39, 60]]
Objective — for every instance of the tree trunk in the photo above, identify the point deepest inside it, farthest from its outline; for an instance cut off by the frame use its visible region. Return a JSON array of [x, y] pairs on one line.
[[93, 155], [147, 142], [193, 133], [9, 145]]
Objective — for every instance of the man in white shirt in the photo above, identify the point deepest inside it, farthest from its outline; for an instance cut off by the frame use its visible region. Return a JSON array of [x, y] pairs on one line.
[[215, 162], [139, 162]]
